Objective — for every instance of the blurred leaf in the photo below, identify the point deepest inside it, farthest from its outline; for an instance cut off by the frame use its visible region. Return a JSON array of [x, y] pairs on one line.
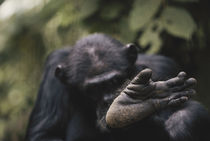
[[178, 22], [151, 37], [4, 88], [202, 39], [2, 127], [44, 15], [186, 0], [86, 7], [142, 12], [111, 11], [126, 34], [1, 1], [75, 11]]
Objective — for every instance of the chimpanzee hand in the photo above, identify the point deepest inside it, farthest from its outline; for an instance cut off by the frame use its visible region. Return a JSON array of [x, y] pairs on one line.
[[142, 97], [175, 91]]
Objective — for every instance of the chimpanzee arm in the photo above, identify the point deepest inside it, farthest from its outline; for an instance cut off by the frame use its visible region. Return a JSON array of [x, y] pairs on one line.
[[142, 97], [187, 122], [50, 114]]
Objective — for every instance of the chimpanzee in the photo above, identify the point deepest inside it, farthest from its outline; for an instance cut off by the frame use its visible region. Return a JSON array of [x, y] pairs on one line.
[[102, 90]]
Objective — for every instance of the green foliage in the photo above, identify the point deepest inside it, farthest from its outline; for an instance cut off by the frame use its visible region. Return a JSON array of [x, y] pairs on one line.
[[1, 1], [111, 11], [143, 11], [186, 0], [151, 36], [86, 8], [125, 32], [178, 22], [80, 9]]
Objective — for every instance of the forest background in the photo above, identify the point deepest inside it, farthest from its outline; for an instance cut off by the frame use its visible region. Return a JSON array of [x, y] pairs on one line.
[[31, 29]]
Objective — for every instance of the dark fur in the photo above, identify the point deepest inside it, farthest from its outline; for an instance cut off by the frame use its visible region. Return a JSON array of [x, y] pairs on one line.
[[66, 110]]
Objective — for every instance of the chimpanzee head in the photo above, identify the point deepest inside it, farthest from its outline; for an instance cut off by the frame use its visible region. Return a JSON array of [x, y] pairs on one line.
[[97, 62]]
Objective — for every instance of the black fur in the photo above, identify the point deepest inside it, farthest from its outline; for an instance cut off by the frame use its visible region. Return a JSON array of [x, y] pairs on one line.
[[72, 107]]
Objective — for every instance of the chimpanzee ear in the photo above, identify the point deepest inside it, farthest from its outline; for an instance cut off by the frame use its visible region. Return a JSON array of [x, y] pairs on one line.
[[131, 52], [59, 71]]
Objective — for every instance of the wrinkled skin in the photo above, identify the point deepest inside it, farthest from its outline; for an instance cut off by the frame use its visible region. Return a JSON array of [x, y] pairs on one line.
[[142, 97]]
